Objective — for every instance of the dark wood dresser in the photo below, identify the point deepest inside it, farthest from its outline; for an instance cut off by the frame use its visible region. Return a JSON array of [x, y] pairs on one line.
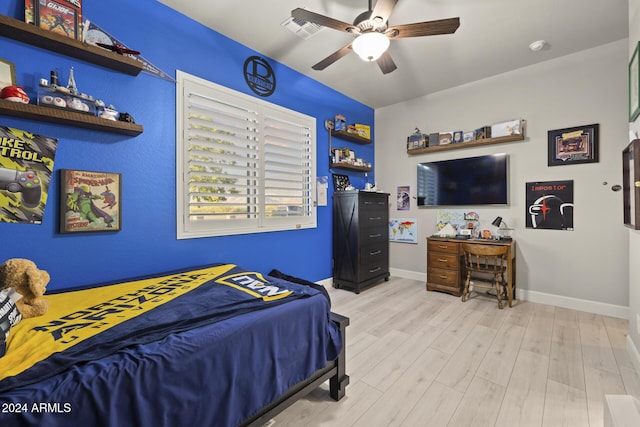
[[360, 239]]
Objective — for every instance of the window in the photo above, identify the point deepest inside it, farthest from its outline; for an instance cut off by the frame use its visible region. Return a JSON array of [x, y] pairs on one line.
[[243, 165]]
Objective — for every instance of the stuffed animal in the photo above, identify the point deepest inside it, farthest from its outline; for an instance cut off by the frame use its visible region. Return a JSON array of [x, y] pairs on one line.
[[27, 280]]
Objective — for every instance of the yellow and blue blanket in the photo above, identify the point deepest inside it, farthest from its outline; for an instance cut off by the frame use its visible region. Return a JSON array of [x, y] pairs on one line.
[[88, 324]]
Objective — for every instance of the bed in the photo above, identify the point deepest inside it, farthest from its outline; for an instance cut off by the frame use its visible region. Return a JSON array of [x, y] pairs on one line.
[[214, 345]]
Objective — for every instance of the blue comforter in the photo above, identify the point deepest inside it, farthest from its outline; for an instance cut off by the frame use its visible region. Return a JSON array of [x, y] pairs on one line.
[[185, 363]]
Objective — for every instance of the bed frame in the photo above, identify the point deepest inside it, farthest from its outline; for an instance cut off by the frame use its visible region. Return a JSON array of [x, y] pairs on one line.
[[334, 372]]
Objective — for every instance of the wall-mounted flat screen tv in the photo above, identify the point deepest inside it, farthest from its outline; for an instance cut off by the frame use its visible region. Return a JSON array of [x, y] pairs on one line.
[[470, 181]]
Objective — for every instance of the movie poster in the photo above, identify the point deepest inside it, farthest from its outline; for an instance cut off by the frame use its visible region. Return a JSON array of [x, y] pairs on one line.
[[62, 17], [90, 201], [550, 205], [26, 163]]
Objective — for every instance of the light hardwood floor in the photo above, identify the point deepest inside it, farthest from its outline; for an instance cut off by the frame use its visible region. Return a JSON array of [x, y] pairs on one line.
[[419, 358]]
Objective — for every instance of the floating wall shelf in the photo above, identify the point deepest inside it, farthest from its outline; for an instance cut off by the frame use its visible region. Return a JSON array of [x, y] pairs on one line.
[[476, 143], [66, 117], [35, 36]]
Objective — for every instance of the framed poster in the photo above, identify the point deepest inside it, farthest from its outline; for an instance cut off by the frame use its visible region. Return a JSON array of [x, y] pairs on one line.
[[549, 205], [7, 73], [573, 145], [90, 201], [631, 184], [634, 85]]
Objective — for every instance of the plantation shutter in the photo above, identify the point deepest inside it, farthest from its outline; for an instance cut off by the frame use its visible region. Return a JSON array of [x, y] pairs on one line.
[[243, 165]]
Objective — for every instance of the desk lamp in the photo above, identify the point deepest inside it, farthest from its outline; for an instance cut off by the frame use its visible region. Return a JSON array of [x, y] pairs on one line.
[[497, 223]]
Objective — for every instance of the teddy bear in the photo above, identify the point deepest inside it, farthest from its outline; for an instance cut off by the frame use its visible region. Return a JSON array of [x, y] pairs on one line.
[[27, 280]]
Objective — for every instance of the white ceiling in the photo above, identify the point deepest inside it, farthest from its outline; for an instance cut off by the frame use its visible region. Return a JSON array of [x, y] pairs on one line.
[[493, 38]]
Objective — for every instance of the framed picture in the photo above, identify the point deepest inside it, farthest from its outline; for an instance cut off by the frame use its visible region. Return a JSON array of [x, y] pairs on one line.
[[573, 145], [631, 184], [7, 73], [90, 201], [340, 182], [634, 85]]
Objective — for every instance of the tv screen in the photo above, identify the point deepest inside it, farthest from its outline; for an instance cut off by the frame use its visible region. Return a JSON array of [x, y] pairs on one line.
[[464, 182]]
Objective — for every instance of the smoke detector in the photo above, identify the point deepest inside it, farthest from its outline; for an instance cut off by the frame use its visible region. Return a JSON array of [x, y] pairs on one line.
[[537, 45]]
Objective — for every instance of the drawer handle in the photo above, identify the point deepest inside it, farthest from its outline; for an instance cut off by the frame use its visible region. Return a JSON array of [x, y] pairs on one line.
[[375, 235], [367, 203], [376, 218], [378, 252], [443, 246], [442, 277], [442, 260], [375, 269]]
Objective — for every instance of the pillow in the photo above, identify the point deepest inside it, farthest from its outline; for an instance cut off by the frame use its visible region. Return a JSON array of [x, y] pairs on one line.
[[9, 316]]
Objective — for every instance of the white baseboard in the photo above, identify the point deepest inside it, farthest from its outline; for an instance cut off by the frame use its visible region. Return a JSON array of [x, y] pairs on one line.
[[634, 354], [621, 410], [544, 298]]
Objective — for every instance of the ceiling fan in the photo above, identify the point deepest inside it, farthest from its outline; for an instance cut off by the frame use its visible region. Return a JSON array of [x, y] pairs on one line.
[[373, 34]]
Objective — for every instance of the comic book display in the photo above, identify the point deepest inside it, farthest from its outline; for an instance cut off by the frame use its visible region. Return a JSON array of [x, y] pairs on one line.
[[62, 17], [26, 163], [89, 201]]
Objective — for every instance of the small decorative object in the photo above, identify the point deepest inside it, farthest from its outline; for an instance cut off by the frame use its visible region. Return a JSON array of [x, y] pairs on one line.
[[634, 84], [434, 139], [445, 138], [340, 182], [14, 94], [508, 128], [71, 84], [90, 201], [126, 117], [7, 74], [482, 133], [486, 234], [340, 122], [631, 184], [417, 140], [467, 136], [62, 17], [573, 145], [364, 131], [109, 113], [457, 137]]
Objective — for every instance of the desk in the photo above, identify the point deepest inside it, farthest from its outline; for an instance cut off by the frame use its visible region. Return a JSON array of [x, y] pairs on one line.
[[445, 268]]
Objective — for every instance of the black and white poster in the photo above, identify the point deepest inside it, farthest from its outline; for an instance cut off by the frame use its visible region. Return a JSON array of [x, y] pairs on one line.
[[550, 205]]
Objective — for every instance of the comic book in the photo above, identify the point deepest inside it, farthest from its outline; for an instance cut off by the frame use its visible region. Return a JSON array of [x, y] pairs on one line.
[[90, 201], [26, 163], [59, 16]]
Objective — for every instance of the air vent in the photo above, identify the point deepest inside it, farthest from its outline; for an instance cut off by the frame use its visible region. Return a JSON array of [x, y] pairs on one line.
[[302, 29]]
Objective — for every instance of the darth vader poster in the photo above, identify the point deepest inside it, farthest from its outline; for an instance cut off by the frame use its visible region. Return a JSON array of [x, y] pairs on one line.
[[550, 205]]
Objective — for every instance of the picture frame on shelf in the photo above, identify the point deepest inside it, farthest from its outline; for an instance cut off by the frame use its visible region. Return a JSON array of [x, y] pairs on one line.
[[634, 84], [631, 184], [340, 182], [90, 201], [573, 145], [7, 73]]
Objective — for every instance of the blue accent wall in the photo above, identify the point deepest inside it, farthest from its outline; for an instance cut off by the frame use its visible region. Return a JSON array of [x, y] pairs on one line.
[[147, 242]]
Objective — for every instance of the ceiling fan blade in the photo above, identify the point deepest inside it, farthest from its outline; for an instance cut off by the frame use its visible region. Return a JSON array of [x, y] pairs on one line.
[[429, 28], [322, 20], [332, 58], [382, 10], [385, 63]]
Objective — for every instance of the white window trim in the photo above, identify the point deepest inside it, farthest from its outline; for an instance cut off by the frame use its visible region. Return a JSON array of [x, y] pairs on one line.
[[187, 229]]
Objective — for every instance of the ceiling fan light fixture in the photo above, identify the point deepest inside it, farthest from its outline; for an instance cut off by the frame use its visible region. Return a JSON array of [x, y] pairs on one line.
[[370, 46]]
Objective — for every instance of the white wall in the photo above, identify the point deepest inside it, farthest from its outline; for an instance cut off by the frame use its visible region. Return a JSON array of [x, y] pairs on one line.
[[634, 236], [586, 268]]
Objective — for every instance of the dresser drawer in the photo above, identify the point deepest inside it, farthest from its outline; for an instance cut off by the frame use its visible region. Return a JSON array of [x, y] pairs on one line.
[[373, 269], [374, 253], [443, 277], [436, 246], [443, 260]]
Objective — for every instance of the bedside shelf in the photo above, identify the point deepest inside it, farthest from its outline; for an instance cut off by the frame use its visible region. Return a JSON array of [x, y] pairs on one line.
[[35, 36], [350, 137], [477, 143], [65, 117]]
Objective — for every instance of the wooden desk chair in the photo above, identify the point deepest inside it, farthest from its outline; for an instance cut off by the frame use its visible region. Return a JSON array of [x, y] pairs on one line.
[[486, 265]]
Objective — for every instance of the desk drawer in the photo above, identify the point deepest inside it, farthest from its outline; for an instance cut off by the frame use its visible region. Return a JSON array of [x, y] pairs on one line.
[[436, 246], [443, 260], [443, 277]]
